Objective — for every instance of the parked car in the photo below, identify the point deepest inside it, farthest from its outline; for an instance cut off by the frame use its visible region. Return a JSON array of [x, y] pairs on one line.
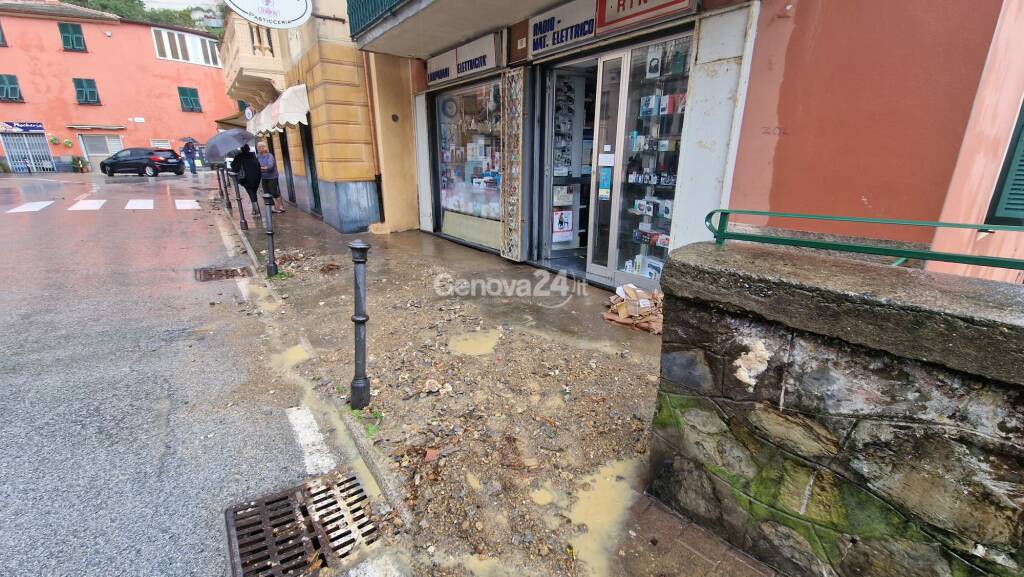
[[143, 162]]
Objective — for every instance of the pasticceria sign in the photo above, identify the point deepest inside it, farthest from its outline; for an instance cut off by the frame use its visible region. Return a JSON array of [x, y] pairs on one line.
[[273, 13]]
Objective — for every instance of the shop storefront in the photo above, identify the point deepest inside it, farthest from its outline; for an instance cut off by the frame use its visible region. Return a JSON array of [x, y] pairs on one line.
[[467, 125], [613, 151]]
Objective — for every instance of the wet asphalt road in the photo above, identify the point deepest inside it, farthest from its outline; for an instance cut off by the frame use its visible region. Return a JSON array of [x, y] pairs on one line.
[[132, 411]]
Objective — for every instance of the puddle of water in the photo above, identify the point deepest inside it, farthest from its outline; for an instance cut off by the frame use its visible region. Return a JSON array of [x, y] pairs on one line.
[[603, 509], [291, 357], [475, 343]]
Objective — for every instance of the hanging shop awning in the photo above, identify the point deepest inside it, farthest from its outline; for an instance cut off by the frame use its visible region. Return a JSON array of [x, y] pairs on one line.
[[236, 120], [289, 109]]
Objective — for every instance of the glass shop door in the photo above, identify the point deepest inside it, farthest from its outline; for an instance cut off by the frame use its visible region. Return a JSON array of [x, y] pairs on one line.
[[604, 186]]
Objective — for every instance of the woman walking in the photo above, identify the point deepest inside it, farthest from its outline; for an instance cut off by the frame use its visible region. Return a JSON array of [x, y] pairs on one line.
[[268, 168], [247, 168]]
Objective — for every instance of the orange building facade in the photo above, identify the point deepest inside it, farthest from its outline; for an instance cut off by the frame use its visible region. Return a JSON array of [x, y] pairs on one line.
[[79, 83]]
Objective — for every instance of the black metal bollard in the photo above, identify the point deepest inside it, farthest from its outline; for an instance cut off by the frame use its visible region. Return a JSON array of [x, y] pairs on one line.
[[359, 396], [271, 261], [242, 224], [225, 192]]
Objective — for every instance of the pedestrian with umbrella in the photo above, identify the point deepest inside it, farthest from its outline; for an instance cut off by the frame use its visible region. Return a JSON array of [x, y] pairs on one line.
[[247, 167], [189, 152]]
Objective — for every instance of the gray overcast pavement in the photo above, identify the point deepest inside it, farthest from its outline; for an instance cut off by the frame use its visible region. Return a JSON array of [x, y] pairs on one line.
[[131, 410]]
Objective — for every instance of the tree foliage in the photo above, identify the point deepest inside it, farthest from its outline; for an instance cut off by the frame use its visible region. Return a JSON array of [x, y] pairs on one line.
[[136, 10]]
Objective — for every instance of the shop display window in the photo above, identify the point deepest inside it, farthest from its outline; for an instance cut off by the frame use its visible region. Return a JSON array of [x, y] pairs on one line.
[[469, 150], [654, 120]]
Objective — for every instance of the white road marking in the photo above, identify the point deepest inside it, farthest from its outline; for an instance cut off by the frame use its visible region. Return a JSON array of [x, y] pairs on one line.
[[186, 204], [139, 204], [91, 204], [83, 195], [243, 288], [315, 453], [32, 206]]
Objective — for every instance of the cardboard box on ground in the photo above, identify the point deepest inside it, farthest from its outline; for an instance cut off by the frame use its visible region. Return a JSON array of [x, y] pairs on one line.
[[636, 308]]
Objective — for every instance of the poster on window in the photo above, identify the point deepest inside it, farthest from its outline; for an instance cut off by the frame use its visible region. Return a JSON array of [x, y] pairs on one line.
[[561, 226]]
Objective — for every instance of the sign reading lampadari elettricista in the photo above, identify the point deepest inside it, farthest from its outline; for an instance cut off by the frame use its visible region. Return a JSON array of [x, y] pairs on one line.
[[273, 13]]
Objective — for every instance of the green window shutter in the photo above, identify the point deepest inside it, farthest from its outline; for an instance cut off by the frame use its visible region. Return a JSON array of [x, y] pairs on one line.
[[195, 101], [85, 91], [9, 89], [183, 97], [71, 36], [1011, 194]]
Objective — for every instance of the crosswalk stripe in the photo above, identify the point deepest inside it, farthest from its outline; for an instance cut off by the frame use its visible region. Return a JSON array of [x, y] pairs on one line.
[[139, 204], [186, 204], [32, 206], [90, 204]]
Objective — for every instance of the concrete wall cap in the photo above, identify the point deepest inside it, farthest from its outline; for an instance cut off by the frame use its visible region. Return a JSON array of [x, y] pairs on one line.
[[967, 324]]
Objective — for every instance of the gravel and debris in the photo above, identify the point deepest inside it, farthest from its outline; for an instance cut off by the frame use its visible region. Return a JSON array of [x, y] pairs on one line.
[[492, 425]]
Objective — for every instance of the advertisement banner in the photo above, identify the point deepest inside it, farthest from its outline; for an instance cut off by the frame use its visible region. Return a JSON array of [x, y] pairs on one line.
[[561, 27], [282, 14], [614, 15]]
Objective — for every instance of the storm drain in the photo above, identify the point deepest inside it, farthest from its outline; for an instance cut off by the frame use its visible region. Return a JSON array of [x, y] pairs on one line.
[[317, 524], [205, 274]]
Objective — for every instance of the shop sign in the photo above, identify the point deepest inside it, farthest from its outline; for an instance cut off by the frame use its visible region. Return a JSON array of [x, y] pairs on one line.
[[471, 58], [615, 15], [441, 68], [282, 14], [477, 56], [561, 27], [21, 127]]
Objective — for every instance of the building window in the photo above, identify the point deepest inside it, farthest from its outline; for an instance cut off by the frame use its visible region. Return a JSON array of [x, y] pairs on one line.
[[184, 47], [189, 99], [85, 91], [9, 90], [71, 37], [3, 39], [159, 143], [1008, 201], [242, 106]]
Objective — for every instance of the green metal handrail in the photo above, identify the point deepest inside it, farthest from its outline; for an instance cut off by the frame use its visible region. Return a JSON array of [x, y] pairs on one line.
[[722, 234]]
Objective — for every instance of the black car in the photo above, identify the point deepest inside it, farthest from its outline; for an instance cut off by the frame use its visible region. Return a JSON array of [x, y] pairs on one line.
[[143, 162]]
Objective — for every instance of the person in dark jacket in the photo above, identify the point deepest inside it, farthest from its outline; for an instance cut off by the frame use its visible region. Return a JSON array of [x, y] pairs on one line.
[[247, 167]]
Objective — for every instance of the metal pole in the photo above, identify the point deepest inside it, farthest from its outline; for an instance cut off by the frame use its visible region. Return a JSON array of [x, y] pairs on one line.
[[242, 224], [359, 397], [271, 261], [226, 192], [220, 183]]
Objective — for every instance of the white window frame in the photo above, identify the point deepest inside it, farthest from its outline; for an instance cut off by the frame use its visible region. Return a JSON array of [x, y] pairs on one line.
[[193, 42], [161, 143]]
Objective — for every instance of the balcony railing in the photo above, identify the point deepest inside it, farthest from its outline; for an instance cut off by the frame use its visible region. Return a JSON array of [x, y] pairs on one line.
[[364, 13]]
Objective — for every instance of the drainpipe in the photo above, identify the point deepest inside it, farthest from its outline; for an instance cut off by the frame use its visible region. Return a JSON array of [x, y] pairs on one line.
[[367, 78]]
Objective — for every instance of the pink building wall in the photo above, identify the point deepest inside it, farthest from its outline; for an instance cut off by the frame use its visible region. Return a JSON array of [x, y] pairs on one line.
[[983, 153], [131, 81], [859, 109]]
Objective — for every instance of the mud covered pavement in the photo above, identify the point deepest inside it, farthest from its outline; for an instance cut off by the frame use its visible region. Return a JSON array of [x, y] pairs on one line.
[[514, 429]]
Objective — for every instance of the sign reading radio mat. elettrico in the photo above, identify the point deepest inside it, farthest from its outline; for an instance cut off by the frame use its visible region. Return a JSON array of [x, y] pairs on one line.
[[273, 13]]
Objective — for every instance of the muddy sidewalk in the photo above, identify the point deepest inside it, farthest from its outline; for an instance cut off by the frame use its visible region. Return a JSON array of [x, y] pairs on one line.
[[514, 425]]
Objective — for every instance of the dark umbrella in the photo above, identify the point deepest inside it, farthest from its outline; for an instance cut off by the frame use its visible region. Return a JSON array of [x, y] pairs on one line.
[[188, 139], [227, 141]]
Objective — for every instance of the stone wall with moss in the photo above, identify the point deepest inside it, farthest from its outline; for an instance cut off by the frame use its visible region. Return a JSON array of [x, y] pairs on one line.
[[821, 456]]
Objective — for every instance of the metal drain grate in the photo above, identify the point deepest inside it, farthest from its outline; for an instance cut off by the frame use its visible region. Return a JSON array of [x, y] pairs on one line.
[[205, 274], [301, 530]]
